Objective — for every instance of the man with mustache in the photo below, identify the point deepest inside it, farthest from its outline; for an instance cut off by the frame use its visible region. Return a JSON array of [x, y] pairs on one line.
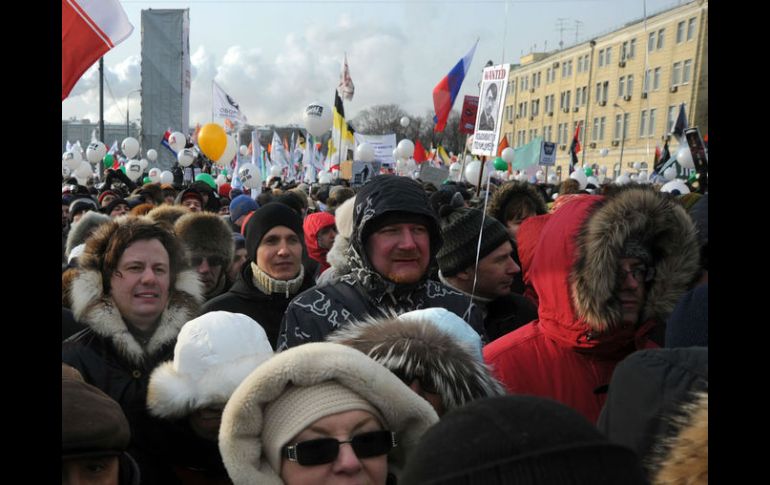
[[608, 270], [395, 241]]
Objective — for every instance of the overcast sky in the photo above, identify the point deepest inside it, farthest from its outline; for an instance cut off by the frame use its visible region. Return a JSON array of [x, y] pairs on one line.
[[275, 57]]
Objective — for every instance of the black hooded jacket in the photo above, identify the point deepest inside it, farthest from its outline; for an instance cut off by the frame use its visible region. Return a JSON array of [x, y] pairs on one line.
[[363, 292]]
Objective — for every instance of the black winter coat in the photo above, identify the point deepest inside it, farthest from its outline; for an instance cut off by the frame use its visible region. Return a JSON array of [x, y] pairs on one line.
[[506, 314], [244, 297]]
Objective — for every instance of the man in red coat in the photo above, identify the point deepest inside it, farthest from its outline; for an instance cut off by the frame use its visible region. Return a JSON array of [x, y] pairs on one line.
[[607, 271]]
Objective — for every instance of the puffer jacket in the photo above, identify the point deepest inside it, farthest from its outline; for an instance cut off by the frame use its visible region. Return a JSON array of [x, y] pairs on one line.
[[363, 292], [570, 351]]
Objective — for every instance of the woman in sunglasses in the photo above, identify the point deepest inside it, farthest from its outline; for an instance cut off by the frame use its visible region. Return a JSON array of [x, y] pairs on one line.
[[321, 413]]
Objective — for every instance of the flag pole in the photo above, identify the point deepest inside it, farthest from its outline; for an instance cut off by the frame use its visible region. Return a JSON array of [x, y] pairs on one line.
[[481, 174], [462, 164]]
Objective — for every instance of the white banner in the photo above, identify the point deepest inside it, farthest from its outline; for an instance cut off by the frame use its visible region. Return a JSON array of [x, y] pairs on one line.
[[383, 146], [489, 118], [224, 107], [548, 154]]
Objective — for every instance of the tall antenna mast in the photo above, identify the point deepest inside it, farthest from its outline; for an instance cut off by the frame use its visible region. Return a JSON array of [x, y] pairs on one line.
[[578, 23], [561, 27]]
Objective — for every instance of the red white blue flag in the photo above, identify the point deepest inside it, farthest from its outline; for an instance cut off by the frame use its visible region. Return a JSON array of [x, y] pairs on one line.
[[445, 92]]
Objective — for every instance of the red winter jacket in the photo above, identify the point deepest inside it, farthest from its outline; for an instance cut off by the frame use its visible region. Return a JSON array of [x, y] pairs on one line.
[[569, 352], [313, 223]]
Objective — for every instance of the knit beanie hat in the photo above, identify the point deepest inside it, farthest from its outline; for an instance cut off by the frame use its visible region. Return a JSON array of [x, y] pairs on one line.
[[224, 190], [105, 194], [241, 205], [82, 204], [519, 439], [634, 248], [266, 218], [213, 354], [460, 229], [299, 407], [92, 424]]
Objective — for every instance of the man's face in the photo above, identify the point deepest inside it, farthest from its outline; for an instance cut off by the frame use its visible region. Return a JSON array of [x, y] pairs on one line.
[[168, 199], [119, 210], [79, 215], [400, 252], [206, 421], [280, 253], [209, 271], [633, 290], [495, 272], [513, 224], [326, 237], [489, 106], [100, 470], [64, 215], [235, 267], [193, 204]]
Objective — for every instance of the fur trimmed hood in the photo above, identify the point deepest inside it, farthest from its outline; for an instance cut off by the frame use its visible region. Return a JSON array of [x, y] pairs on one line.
[[82, 229], [574, 268], [168, 213], [661, 225], [96, 310], [416, 347], [506, 192], [212, 356], [240, 435], [684, 457]]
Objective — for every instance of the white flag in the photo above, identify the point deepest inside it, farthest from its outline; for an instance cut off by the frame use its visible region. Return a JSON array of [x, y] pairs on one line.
[[346, 88], [278, 152], [224, 108]]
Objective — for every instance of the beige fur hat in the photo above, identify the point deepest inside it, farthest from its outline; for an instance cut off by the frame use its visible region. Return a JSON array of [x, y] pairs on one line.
[[241, 433]]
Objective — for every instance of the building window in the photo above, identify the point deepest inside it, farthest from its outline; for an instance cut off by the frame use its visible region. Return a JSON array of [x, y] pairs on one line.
[[686, 71], [691, 29], [646, 81], [651, 130], [624, 51], [535, 107], [661, 35], [651, 42], [524, 83], [643, 124], [602, 123], [673, 111], [676, 74], [656, 79], [632, 49], [626, 124], [621, 86], [548, 133], [630, 85], [605, 91], [680, 32], [608, 55], [595, 130], [601, 57], [618, 127]]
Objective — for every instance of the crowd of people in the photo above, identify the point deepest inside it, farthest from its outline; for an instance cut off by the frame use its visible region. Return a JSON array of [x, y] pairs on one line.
[[397, 332]]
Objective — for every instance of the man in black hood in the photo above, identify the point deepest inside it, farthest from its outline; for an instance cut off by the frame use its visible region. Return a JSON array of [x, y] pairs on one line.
[[393, 246]]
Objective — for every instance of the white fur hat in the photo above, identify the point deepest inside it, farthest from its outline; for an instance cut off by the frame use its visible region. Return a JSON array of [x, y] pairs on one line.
[[213, 354], [240, 435]]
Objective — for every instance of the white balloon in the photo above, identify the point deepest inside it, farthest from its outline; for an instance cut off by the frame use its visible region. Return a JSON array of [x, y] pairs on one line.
[[152, 154], [133, 170], [130, 147], [230, 150], [472, 171], [684, 157], [221, 179], [326, 177], [177, 141], [71, 160], [276, 171], [144, 163], [406, 148], [669, 173], [396, 155], [95, 152], [468, 158], [405, 121], [632, 177], [365, 152], [154, 175], [243, 150], [580, 175], [250, 176], [185, 157], [522, 177], [637, 165], [84, 170], [603, 152], [623, 179], [592, 180], [454, 171], [166, 177], [675, 185], [318, 118], [508, 154], [643, 178], [553, 178]]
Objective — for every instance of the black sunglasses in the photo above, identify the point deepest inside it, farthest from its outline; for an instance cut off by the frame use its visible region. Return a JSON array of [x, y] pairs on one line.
[[196, 261], [325, 450]]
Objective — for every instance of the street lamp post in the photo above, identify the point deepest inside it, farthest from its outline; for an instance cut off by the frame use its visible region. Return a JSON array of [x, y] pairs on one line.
[[128, 132], [622, 134]]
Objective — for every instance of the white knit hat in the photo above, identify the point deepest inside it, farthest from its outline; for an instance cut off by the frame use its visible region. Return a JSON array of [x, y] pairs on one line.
[[213, 354], [242, 440]]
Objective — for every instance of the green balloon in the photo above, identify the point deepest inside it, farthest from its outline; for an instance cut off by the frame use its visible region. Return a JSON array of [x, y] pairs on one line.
[[205, 177], [108, 161], [146, 180], [589, 171], [224, 171], [123, 168], [693, 177], [500, 164]]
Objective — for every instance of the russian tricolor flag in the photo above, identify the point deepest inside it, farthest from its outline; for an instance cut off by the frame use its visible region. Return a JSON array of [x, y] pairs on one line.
[[89, 28], [446, 90]]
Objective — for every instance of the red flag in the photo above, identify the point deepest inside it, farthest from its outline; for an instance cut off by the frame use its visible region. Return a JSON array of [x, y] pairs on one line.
[[574, 149], [419, 152], [89, 29], [502, 146]]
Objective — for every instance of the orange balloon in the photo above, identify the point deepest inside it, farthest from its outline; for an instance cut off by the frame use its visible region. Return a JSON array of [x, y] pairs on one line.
[[212, 140]]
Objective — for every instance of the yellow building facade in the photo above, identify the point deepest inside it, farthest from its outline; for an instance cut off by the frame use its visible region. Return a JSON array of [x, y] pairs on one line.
[[624, 88]]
